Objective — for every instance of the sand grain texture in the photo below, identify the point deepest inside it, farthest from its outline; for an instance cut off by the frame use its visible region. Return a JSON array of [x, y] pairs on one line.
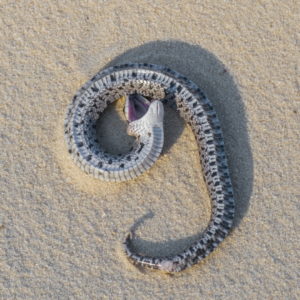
[[61, 230]]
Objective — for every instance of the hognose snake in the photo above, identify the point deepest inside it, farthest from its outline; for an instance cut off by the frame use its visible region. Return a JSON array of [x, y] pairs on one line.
[[176, 91]]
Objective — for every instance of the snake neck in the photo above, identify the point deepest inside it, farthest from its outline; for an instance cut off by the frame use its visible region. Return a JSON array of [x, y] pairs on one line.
[[145, 152], [150, 140]]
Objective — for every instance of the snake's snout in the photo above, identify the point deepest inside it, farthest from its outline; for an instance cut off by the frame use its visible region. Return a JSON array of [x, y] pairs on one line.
[[155, 113]]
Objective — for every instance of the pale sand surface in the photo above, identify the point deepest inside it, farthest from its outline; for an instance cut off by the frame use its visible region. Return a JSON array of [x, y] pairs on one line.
[[61, 230]]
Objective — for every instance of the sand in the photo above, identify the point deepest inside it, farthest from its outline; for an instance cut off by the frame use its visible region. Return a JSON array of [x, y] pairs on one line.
[[61, 230]]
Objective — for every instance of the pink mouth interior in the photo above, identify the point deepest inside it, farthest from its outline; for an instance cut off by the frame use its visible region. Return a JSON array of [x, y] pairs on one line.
[[137, 107]]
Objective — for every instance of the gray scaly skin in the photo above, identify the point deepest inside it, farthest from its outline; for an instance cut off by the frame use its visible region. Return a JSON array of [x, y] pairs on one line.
[[176, 91]]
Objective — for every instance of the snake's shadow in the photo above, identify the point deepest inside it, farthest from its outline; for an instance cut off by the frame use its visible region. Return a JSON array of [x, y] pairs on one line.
[[218, 84]]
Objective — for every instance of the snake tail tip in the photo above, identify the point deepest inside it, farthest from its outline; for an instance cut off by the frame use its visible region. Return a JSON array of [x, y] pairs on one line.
[[128, 236]]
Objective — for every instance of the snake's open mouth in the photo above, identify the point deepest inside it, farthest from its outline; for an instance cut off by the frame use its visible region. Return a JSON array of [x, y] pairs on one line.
[[136, 106]]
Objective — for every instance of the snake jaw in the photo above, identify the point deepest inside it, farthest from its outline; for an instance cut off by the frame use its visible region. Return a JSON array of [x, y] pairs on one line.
[[136, 106], [153, 117], [138, 110]]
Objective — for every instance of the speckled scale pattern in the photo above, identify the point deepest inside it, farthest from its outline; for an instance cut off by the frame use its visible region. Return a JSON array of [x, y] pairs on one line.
[[187, 99]]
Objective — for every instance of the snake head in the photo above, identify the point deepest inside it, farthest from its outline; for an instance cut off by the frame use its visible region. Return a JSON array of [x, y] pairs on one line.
[[141, 112], [138, 107]]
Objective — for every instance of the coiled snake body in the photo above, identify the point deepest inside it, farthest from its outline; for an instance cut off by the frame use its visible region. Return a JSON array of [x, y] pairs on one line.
[[176, 91]]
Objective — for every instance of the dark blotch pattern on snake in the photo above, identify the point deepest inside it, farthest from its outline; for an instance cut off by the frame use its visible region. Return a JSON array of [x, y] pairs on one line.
[[141, 83]]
